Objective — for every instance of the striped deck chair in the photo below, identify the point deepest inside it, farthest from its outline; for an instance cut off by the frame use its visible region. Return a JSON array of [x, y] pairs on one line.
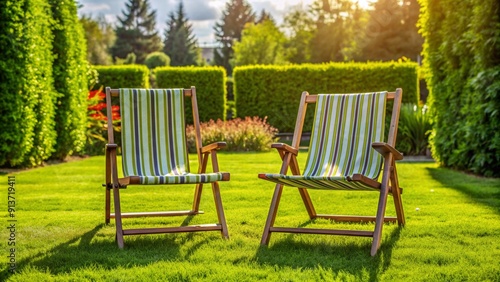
[[346, 152], [154, 152]]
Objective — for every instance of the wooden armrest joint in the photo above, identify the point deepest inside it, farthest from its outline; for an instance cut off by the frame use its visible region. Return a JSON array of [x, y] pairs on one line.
[[285, 147], [213, 146], [384, 149]]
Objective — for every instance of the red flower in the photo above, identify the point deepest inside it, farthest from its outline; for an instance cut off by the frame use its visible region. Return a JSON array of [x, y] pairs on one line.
[[98, 116], [97, 107], [100, 95]]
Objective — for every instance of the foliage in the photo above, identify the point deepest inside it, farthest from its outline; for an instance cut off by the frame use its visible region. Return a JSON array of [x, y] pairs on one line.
[[234, 18], [27, 106], [157, 59], [391, 32], [300, 27], [97, 122], [333, 23], [452, 237], [260, 43], [274, 91], [69, 70], [249, 134], [136, 31], [414, 128], [180, 43], [123, 76], [210, 83], [100, 36], [461, 55]]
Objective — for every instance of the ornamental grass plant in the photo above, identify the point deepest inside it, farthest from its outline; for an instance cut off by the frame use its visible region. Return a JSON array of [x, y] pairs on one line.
[[248, 134]]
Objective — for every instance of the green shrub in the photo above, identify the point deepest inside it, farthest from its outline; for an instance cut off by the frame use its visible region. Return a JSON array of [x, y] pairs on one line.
[[461, 56], [414, 128], [157, 59], [27, 136], [250, 134], [210, 83], [275, 91], [70, 70], [123, 76]]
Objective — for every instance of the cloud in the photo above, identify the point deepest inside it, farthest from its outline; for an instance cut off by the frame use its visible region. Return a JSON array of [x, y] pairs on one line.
[[201, 10]]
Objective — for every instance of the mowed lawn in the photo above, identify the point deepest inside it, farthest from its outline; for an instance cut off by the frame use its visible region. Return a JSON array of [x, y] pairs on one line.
[[452, 230]]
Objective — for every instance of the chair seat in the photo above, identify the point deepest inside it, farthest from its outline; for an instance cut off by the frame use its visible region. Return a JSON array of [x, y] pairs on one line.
[[186, 178], [318, 182]]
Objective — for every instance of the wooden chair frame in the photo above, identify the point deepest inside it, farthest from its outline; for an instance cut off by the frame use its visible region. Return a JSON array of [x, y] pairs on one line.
[[389, 184], [114, 183]]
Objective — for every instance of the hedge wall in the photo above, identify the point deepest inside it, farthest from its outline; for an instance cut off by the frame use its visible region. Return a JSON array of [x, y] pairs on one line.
[[462, 59], [274, 91], [210, 83], [27, 109], [123, 76], [70, 79]]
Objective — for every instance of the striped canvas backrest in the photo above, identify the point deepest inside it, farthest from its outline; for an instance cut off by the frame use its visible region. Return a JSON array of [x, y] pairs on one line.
[[344, 127], [153, 132]]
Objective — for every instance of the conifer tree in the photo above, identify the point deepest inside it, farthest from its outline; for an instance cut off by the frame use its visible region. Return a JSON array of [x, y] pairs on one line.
[[180, 43], [229, 29], [136, 32], [392, 32]]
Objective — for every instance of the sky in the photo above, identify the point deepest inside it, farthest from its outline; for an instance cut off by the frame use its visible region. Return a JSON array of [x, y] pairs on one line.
[[202, 14]]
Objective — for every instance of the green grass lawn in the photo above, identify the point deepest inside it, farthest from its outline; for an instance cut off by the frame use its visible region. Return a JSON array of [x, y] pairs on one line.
[[452, 230]]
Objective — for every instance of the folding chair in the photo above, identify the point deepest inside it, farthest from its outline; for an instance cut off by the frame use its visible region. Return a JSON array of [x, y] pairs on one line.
[[154, 151], [346, 152]]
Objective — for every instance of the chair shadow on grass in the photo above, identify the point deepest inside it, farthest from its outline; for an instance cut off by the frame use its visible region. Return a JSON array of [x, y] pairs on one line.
[[352, 257], [94, 249], [488, 194]]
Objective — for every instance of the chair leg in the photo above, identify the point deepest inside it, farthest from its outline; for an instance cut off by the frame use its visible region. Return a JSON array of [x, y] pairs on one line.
[[197, 197], [396, 193], [107, 208], [220, 209], [118, 217], [379, 223], [271, 217]]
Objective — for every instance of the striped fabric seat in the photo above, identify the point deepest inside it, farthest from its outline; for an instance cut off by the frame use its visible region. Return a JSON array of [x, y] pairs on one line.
[[344, 127], [153, 137]]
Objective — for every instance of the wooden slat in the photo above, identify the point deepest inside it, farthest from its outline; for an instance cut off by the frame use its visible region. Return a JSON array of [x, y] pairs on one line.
[[314, 98], [156, 214], [194, 228], [361, 233], [354, 218]]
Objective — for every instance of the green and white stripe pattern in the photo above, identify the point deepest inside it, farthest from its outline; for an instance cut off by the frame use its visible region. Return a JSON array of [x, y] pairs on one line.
[[153, 137], [344, 127]]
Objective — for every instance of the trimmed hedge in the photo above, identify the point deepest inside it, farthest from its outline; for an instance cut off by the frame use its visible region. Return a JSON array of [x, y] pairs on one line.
[[274, 91], [27, 106], [70, 79], [122, 76], [462, 59], [210, 83]]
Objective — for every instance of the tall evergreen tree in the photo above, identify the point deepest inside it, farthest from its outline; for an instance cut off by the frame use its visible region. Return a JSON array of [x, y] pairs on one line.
[[392, 32], [333, 30], [136, 32], [180, 43], [229, 29]]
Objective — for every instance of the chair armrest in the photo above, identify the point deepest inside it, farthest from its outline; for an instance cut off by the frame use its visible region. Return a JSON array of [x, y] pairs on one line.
[[213, 146], [285, 147], [384, 149], [111, 146]]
